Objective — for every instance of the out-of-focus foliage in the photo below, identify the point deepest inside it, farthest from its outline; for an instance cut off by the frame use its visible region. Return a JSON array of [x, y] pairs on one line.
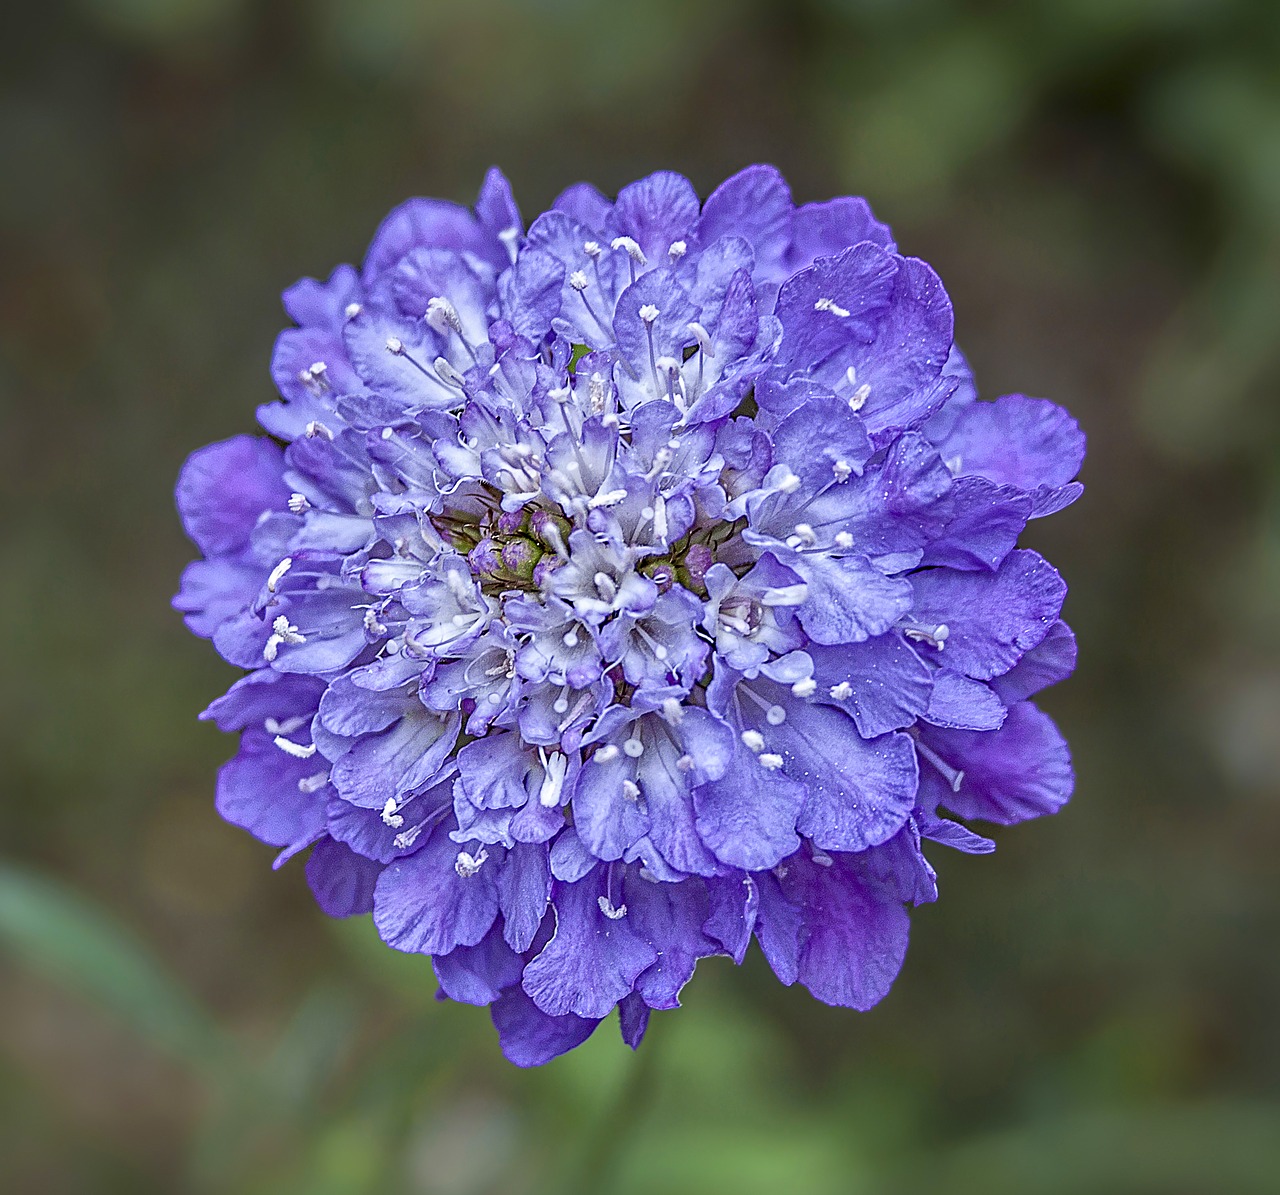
[[1092, 1009]]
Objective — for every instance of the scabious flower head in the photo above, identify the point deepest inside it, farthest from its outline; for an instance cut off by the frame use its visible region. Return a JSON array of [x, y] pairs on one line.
[[618, 590]]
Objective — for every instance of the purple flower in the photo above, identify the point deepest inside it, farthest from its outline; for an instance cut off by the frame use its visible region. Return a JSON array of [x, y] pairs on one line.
[[619, 590]]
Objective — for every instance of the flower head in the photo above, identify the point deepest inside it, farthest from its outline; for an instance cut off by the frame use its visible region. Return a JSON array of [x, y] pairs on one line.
[[618, 590]]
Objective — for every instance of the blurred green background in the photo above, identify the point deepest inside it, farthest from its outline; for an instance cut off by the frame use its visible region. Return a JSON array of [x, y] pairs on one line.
[[1092, 1009]]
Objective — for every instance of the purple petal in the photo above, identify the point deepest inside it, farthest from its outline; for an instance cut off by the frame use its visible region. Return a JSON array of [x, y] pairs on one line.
[[592, 961], [341, 881], [529, 1036]]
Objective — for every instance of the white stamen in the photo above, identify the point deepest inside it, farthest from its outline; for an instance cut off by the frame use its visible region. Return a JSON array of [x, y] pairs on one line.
[[447, 374], [822, 859], [277, 573], [632, 250], [591, 249], [510, 237], [677, 250], [442, 315], [556, 764], [297, 750], [631, 790], [466, 865], [805, 534], [841, 692], [389, 815], [395, 345], [684, 763], [570, 638], [770, 761], [609, 498], [844, 540], [313, 784], [805, 688], [371, 623], [649, 313], [298, 503], [672, 710], [860, 396], [288, 726], [633, 748], [831, 306], [352, 310], [406, 838], [775, 715], [606, 753], [703, 337], [842, 470], [578, 280], [282, 631], [753, 740], [316, 428], [608, 909], [388, 432]]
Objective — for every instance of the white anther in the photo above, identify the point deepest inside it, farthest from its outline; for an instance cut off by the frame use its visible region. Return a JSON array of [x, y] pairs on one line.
[[318, 369], [371, 623], [775, 715], [609, 498], [395, 344], [831, 306], [277, 573], [605, 586], [822, 859], [672, 710], [556, 765], [941, 633], [406, 838], [352, 310], [388, 432], [805, 688], [632, 250], [805, 534], [703, 337], [633, 748], [841, 692], [510, 238], [390, 816], [596, 392], [789, 483], [842, 470], [649, 313], [570, 638], [606, 753], [316, 428], [466, 865], [313, 784], [860, 396], [282, 631], [288, 726], [668, 366], [770, 761], [447, 374], [753, 740], [677, 250], [578, 280], [608, 909], [297, 750], [844, 540], [631, 790], [298, 503], [442, 315], [684, 763], [591, 249]]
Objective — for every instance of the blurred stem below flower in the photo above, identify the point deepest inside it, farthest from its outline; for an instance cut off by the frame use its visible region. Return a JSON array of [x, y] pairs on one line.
[[612, 1132]]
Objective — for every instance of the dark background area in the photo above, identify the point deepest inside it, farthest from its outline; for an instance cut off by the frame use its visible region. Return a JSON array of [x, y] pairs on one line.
[[1092, 1009]]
